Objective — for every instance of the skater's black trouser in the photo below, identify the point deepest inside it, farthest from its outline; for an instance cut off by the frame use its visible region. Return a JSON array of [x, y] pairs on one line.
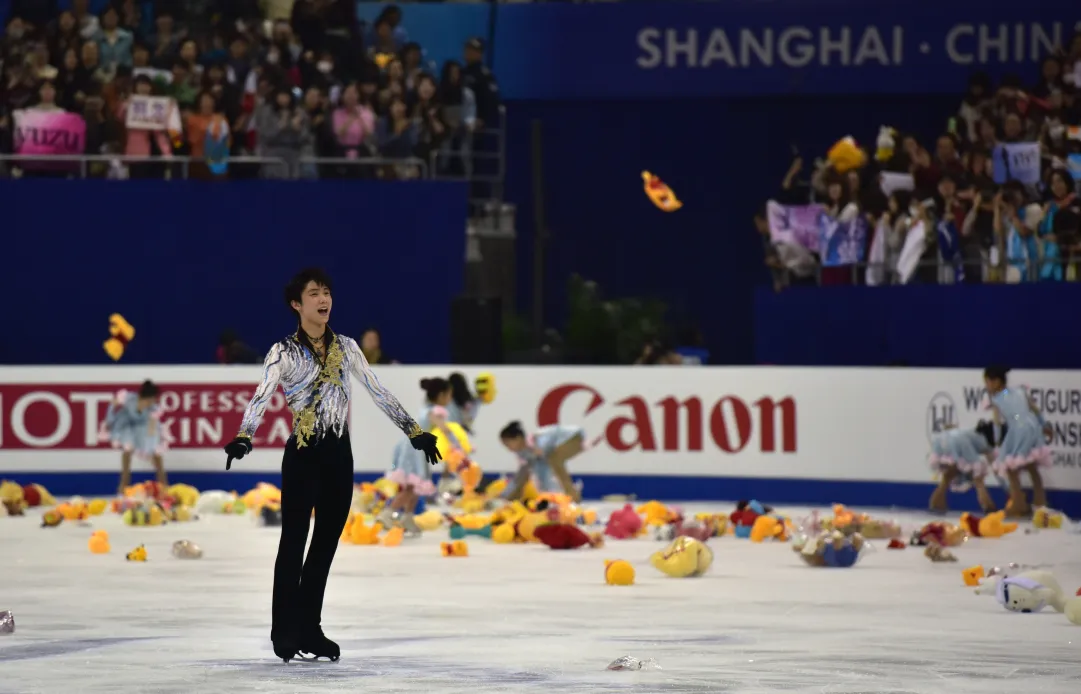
[[319, 476]]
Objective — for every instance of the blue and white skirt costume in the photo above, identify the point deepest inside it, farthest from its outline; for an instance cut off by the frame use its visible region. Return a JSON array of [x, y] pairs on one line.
[[133, 430], [963, 450], [1024, 443], [410, 467]]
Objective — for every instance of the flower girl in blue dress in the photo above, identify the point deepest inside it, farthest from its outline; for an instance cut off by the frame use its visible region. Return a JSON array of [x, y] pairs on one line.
[[1024, 447], [962, 459]]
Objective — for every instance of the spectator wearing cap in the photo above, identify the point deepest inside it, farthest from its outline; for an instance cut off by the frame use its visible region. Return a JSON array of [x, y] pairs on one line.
[[483, 84]]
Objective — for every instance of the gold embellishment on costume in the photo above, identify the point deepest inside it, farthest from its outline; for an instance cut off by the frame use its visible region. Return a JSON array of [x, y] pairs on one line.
[[330, 374], [415, 431], [242, 435]]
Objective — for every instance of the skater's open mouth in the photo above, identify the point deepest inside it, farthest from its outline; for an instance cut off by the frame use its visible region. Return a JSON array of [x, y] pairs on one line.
[[324, 311]]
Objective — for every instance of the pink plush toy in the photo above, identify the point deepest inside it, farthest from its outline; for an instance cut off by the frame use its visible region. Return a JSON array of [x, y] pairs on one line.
[[624, 524]]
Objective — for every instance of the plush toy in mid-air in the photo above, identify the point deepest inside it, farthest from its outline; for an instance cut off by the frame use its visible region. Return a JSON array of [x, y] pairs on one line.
[[485, 385], [846, 155], [121, 333], [659, 193], [886, 142]]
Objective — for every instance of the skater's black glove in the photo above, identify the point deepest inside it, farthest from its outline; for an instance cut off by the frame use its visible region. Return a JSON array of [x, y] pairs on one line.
[[426, 442], [237, 449]]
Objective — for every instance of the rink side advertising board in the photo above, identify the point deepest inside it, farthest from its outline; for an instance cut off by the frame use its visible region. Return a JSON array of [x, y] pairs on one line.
[[799, 434]]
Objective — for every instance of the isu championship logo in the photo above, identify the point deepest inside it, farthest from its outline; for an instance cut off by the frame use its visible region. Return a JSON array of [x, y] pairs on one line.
[[941, 414]]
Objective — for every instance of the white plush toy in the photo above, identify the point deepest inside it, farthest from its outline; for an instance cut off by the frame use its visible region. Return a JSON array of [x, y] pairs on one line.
[[217, 501], [885, 144], [1073, 610], [1028, 591]]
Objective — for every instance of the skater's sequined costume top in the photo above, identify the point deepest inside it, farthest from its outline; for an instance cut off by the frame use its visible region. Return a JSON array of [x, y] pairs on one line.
[[318, 393]]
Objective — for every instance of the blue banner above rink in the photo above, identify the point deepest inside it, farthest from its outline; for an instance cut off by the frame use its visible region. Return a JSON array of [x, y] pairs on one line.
[[744, 47]]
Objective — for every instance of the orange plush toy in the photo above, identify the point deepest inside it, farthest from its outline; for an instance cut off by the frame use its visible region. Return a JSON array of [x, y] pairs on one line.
[[846, 155], [991, 525]]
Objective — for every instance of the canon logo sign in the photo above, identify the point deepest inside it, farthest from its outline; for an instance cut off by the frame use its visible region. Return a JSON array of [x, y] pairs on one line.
[[671, 424], [53, 415]]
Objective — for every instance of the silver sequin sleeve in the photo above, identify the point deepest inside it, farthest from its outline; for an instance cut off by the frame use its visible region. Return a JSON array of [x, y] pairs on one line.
[[383, 398], [253, 415]]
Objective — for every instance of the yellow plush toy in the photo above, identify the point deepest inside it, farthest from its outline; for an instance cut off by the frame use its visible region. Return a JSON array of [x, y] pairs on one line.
[[485, 385], [655, 513], [684, 558], [846, 155], [11, 497], [121, 333], [362, 534], [137, 554], [618, 573], [1045, 518], [185, 494]]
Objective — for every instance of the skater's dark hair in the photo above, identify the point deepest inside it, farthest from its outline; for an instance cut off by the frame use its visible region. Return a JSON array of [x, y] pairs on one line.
[[986, 428], [459, 389], [295, 288], [149, 389], [997, 373], [434, 387], [513, 430]]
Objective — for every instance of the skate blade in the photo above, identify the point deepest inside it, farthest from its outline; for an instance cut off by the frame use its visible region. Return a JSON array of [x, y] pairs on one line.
[[312, 658]]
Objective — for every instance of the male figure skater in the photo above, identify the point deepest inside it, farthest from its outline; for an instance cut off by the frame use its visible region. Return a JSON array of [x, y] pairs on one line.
[[313, 367]]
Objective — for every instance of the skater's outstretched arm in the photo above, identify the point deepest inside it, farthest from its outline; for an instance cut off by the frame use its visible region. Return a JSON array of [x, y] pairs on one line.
[[382, 397], [253, 415]]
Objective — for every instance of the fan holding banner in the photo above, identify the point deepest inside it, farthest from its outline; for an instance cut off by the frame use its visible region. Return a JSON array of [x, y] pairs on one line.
[[151, 122]]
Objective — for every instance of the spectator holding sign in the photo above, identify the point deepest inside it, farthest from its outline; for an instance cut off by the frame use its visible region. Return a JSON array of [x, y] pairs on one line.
[[142, 137]]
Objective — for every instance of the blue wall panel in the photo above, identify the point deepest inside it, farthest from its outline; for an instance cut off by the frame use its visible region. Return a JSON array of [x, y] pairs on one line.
[[184, 260]]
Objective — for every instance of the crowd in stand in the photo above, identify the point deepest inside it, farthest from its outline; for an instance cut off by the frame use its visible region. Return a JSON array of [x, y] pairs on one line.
[[290, 80], [994, 198]]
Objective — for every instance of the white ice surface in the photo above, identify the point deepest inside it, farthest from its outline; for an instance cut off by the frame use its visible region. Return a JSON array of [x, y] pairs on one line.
[[522, 618]]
